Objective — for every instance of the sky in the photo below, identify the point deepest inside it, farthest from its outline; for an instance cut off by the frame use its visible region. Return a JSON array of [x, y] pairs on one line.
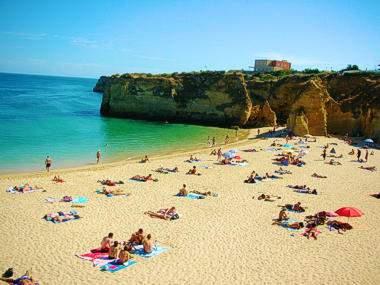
[[98, 37]]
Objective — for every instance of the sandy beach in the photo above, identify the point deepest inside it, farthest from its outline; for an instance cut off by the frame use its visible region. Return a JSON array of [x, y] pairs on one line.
[[227, 239]]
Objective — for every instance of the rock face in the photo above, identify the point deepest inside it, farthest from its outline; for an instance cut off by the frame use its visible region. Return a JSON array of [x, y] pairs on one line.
[[309, 104]]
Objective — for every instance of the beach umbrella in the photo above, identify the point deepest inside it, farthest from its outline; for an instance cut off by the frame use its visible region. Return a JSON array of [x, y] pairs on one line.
[[349, 212], [229, 155], [368, 140]]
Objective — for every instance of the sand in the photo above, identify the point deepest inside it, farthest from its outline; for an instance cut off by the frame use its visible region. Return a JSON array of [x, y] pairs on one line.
[[219, 240]]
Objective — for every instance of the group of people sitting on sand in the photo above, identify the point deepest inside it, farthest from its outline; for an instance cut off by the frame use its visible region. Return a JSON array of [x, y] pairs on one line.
[[288, 158], [122, 251], [144, 178], [109, 182], [192, 159], [183, 192]]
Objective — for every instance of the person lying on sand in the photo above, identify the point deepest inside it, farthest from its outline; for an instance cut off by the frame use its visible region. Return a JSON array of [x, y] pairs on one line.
[[282, 171], [272, 176], [59, 217], [376, 195], [250, 179], [109, 182], [137, 237], [144, 160], [225, 161], [333, 162], [335, 156], [294, 225], [339, 226], [114, 192], [167, 170], [26, 188], [148, 244], [58, 179], [25, 279], [106, 242], [144, 178], [114, 250], [352, 152], [297, 186], [318, 176], [370, 168], [306, 191], [311, 231], [296, 207], [250, 150], [165, 214], [206, 193], [193, 171], [265, 197], [183, 191]]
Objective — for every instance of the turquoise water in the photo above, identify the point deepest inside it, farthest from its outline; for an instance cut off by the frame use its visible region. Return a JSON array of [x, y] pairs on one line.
[[59, 116]]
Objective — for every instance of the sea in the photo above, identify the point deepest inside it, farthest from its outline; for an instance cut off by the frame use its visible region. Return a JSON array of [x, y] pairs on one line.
[[59, 117]]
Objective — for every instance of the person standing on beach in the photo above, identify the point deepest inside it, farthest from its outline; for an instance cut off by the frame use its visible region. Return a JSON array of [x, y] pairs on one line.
[[213, 141], [359, 154], [366, 155], [208, 141], [48, 162], [219, 154], [258, 132], [227, 139], [98, 155], [324, 154]]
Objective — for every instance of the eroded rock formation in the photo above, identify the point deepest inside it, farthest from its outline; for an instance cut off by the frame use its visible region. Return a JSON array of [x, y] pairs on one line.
[[309, 104]]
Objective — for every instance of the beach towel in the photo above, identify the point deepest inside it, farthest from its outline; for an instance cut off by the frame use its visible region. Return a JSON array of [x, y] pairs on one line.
[[192, 196], [97, 257], [242, 164], [139, 250], [114, 266], [80, 200], [12, 191]]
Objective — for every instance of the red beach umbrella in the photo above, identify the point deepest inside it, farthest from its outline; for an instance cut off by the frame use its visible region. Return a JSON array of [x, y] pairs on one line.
[[349, 212]]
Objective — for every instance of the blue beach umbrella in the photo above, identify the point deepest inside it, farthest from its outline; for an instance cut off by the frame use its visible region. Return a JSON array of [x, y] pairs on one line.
[[368, 141]]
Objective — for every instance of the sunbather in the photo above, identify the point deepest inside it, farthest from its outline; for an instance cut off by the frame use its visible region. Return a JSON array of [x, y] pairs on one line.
[[25, 279], [206, 193], [59, 217], [311, 230], [183, 191], [137, 237], [165, 214], [370, 168], [144, 178], [106, 242], [296, 207], [114, 250], [318, 176], [167, 170], [376, 195], [306, 191], [286, 224], [250, 179], [282, 216], [333, 162], [297, 186], [193, 171], [124, 255], [352, 152], [282, 171], [114, 192], [267, 198], [192, 159], [109, 182], [339, 226], [272, 176], [148, 244], [58, 179], [144, 160]]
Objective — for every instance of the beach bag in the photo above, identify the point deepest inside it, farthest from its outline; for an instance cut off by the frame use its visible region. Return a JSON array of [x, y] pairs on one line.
[[175, 217]]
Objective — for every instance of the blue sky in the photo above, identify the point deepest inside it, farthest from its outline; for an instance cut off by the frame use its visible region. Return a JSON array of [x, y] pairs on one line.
[[92, 38]]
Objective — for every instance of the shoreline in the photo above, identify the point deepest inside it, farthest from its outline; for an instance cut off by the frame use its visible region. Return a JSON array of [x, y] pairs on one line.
[[242, 138]]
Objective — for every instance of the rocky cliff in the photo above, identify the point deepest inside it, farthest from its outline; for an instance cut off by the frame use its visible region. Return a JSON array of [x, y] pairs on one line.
[[308, 104]]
